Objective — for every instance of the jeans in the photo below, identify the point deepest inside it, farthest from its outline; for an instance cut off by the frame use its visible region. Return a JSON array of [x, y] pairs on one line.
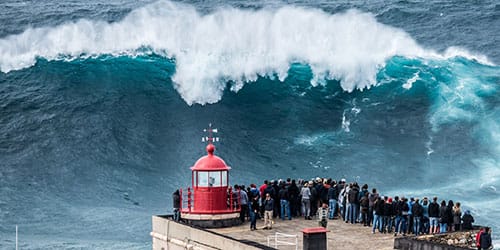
[[306, 207], [442, 227], [285, 208], [416, 224], [377, 222], [370, 215], [384, 222], [425, 225], [347, 214], [332, 203], [353, 213], [364, 217], [342, 210], [404, 224], [388, 224], [397, 223], [253, 219], [177, 214]]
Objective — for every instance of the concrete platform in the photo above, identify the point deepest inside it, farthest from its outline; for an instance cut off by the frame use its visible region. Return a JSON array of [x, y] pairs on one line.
[[341, 235]]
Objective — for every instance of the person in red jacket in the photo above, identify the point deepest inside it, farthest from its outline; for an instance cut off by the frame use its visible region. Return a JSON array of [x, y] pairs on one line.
[[478, 238]]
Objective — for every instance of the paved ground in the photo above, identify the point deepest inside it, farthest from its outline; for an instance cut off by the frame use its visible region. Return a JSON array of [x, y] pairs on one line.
[[341, 235]]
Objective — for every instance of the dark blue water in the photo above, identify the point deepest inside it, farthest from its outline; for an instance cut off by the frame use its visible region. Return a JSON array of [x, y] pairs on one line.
[[102, 105]]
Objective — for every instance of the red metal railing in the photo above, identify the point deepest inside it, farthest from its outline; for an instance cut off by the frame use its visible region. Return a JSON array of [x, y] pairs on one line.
[[187, 202]]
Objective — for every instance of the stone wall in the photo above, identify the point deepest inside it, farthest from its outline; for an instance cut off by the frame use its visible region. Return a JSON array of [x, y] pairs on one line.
[[168, 234], [449, 241]]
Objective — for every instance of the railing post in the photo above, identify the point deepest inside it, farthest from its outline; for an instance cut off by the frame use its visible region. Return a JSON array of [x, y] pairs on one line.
[[180, 200], [189, 199], [231, 198], [239, 200]]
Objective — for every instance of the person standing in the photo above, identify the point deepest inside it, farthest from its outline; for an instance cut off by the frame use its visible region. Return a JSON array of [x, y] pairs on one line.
[[293, 194], [268, 211], [243, 200], [434, 216], [457, 216], [485, 239], [262, 193], [254, 209], [323, 215], [378, 211], [364, 204], [371, 199], [305, 192], [418, 212], [177, 205], [332, 200], [443, 217], [284, 202]]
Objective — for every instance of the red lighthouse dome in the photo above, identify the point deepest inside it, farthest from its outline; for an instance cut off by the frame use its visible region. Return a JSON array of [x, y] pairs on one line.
[[210, 162]]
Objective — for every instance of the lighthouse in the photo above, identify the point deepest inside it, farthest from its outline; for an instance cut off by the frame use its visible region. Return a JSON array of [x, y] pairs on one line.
[[210, 201]]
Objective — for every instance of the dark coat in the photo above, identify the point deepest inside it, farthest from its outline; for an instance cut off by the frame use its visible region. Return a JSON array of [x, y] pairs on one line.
[[379, 207], [443, 214], [269, 204], [417, 210], [388, 209], [293, 192], [485, 240], [434, 209], [176, 199], [467, 221], [332, 193], [283, 194], [353, 195]]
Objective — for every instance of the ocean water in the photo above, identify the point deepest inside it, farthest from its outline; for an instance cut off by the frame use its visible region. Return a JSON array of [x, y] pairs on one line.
[[103, 103]]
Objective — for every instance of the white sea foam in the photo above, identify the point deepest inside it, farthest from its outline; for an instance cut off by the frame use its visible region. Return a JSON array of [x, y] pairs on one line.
[[229, 45], [411, 81]]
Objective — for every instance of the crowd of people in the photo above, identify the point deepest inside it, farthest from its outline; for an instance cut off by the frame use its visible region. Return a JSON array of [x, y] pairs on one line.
[[328, 199]]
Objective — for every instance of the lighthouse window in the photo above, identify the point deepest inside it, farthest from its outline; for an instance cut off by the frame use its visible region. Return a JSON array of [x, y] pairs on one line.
[[224, 178], [202, 179], [214, 179]]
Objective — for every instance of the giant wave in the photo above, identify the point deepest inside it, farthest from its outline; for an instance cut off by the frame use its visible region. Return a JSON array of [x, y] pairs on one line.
[[230, 46]]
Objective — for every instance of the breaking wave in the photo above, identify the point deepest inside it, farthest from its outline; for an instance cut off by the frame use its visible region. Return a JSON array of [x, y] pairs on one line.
[[229, 47]]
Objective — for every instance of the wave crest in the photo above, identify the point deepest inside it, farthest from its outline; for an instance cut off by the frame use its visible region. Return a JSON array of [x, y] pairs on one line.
[[229, 45]]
